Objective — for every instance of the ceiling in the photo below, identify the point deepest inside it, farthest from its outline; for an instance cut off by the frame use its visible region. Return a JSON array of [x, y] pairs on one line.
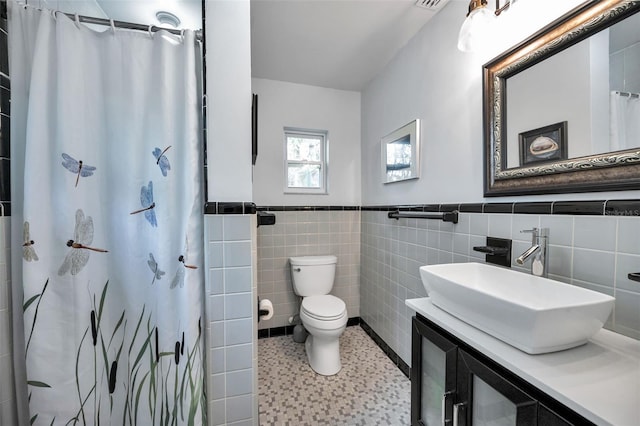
[[340, 44]]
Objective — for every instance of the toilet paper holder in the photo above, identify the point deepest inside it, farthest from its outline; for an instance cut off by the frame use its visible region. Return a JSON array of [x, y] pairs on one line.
[[262, 312]]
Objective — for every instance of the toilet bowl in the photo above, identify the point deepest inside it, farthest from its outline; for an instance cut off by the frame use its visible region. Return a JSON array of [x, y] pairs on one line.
[[323, 315], [325, 318]]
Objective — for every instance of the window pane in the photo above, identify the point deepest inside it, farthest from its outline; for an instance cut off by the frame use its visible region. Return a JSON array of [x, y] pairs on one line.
[[301, 148], [303, 176]]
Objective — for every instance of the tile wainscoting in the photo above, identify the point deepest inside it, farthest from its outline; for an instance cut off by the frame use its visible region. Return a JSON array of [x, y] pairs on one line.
[[232, 385], [306, 231], [592, 244]]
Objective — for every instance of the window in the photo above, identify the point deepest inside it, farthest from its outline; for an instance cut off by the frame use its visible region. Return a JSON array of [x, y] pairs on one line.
[[306, 161]]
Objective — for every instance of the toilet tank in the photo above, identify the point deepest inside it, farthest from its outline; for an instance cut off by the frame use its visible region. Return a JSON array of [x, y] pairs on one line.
[[313, 275]]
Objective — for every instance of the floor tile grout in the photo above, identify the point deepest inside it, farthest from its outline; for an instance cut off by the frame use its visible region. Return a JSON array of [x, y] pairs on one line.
[[369, 390]]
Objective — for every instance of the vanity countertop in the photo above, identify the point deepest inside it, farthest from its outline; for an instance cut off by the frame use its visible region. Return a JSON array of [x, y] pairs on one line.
[[599, 380]]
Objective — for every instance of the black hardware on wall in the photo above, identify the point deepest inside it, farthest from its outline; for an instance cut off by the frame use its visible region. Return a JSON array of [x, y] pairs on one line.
[[445, 216], [265, 218], [497, 250], [254, 128]]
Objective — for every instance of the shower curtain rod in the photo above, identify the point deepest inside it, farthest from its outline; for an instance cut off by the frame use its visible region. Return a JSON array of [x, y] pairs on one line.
[[129, 25], [631, 95], [117, 24]]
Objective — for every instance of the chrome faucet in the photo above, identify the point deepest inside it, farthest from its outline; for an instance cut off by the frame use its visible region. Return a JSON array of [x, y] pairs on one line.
[[538, 250]]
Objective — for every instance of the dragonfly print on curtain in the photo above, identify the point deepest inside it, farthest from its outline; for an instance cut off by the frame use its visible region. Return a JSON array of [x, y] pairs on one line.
[[112, 335]]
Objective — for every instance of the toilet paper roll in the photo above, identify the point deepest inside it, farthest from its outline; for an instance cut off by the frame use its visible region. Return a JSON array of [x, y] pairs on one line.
[[266, 305]]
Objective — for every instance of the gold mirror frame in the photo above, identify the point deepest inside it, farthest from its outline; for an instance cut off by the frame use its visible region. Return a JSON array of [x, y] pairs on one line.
[[618, 170]]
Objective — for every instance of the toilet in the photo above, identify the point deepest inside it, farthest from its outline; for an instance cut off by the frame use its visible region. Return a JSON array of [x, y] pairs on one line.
[[323, 315]]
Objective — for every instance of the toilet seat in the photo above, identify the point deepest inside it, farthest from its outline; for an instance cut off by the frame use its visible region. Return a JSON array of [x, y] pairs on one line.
[[324, 307]]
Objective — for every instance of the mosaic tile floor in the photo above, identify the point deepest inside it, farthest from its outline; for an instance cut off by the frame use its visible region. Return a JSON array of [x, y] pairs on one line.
[[369, 390]]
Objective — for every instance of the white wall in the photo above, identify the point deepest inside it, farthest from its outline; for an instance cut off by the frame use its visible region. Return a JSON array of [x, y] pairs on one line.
[[431, 80], [229, 100], [282, 105]]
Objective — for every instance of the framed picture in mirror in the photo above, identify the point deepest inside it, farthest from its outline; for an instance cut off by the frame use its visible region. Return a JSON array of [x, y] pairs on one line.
[[548, 143], [400, 153]]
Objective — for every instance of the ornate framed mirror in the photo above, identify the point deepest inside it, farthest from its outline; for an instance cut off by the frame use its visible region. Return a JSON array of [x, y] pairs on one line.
[[555, 108]]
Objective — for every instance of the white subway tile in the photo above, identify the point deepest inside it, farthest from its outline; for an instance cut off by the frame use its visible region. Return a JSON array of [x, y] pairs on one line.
[[593, 232]]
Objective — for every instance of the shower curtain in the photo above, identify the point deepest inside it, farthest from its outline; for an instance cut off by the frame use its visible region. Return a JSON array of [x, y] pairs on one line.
[[625, 121], [107, 221]]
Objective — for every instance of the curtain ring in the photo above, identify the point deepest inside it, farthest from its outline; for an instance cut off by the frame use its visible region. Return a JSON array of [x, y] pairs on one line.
[[150, 32], [77, 20], [113, 26]]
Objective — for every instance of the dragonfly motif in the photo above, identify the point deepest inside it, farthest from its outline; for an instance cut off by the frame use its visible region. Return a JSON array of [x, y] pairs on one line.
[[78, 256], [146, 199], [178, 279], [28, 252], [153, 265], [77, 167], [162, 160]]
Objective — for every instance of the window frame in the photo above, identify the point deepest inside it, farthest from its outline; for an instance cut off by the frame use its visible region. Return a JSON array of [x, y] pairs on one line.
[[323, 136]]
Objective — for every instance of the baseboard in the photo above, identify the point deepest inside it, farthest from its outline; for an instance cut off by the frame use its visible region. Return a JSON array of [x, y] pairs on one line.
[[288, 330], [393, 356]]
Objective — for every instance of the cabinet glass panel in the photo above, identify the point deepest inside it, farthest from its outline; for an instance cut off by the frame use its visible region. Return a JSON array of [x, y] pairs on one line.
[[490, 407], [491, 398], [434, 366], [433, 378]]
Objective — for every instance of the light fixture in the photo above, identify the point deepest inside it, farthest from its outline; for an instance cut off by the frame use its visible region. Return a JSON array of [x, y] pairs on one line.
[[477, 25], [168, 18]]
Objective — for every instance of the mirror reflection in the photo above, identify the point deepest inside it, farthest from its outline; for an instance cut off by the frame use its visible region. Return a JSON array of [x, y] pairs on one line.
[[582, 101]]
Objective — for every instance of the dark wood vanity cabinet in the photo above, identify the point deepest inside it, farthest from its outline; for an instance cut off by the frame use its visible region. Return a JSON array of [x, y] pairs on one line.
[[453, 384]]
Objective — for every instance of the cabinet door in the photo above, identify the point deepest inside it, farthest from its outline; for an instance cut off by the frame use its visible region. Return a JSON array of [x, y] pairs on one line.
[[433, 376], [546, 417], [486, 398]]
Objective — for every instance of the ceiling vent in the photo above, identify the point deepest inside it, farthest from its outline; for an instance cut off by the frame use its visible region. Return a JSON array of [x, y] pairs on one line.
[[432, 5]]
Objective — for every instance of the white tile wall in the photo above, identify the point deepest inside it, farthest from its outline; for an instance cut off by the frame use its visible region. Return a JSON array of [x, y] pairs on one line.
[[8, 415], [301, 233], [231, 310], [595, 252]]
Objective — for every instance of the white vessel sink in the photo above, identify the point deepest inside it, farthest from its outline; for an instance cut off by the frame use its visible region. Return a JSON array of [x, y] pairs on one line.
[[534, 314]]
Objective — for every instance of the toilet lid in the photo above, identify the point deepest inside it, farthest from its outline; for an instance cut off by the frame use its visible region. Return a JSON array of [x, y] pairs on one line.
[[325, 307]]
